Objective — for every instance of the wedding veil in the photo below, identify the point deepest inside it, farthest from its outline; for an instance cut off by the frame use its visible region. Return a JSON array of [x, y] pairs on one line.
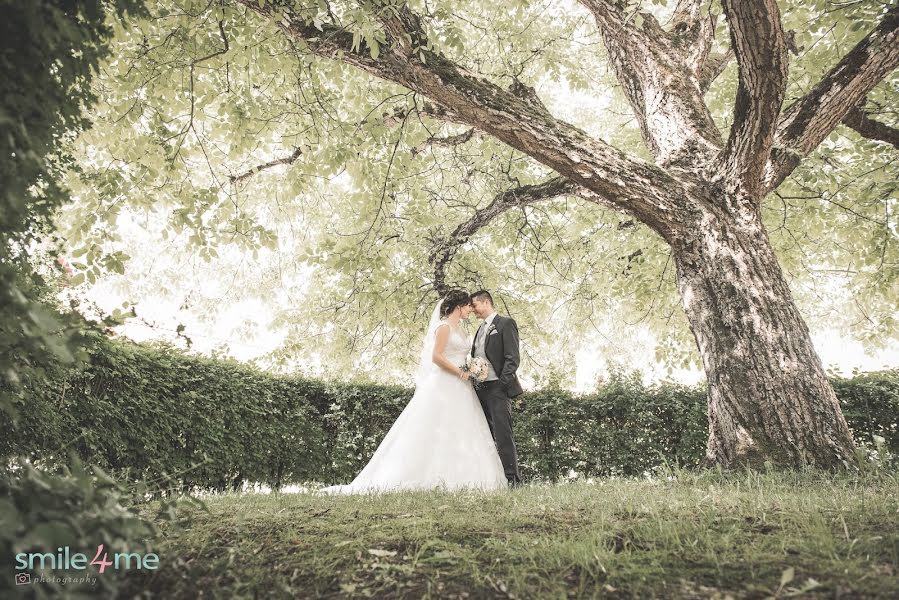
[[426, 366]]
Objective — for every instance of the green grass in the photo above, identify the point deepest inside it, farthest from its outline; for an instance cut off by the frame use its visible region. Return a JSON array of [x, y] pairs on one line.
[[698, 536]]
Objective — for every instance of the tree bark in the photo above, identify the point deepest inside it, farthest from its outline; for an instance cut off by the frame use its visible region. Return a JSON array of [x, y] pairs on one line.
[[864, 125], [768, 395], [757, 38]]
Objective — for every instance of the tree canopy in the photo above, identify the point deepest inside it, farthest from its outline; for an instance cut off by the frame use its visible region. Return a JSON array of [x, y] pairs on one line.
[[335, 197]]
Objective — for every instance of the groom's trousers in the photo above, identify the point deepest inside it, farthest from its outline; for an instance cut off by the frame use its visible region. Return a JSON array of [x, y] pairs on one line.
[[498, 410]]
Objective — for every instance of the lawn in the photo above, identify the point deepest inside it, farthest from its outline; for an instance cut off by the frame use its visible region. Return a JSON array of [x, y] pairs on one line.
[[685, 535]]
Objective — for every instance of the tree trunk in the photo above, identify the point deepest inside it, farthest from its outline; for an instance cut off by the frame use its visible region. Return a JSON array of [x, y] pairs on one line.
[[769, 398]]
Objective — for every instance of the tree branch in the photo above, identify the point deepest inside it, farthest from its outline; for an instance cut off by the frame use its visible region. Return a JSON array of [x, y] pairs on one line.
[[235, 179], [224, 50], [643, 190], [811, 118], [713, 67], [438, 113], [446, 249], [656, 71], [697, 32], [447, 141], [757, 38], [686, 14], [867, 127]]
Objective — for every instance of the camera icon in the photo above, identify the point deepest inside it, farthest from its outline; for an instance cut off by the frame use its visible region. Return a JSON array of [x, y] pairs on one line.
[[23, 578]]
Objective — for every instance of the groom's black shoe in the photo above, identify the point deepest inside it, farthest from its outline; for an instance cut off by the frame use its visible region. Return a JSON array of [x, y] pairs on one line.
[[515, 484]]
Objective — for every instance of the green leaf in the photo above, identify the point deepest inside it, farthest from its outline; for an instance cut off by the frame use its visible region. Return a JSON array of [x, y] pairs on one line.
[[787, 576]]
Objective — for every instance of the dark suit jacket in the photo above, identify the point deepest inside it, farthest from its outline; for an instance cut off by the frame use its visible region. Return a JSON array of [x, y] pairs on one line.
[[501, 349]]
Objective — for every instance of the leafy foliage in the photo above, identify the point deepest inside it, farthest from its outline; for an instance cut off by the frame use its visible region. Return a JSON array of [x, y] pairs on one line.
[[52, 86], [77, 507], [340, 235], [156, 413], [51, 50]]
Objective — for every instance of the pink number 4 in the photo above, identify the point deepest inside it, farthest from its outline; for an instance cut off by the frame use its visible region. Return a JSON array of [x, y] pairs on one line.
[[102, 563]]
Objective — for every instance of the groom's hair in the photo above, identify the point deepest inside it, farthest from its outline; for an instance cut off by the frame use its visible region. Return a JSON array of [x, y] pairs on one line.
[[481, 295]]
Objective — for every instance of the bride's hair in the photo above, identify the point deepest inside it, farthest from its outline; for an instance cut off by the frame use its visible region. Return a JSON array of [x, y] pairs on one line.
[[453, 300]]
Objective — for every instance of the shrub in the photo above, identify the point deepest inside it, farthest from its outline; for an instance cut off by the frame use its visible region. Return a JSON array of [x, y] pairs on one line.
[[153, 413], [41, 511]]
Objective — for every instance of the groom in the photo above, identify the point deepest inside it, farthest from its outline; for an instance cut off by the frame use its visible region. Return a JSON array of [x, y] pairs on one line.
[[497, 342]]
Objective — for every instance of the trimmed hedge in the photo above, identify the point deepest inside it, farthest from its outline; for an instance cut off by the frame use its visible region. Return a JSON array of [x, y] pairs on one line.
[[153, 412]]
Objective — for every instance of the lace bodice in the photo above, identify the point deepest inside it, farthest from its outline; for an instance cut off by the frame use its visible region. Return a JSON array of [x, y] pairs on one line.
[[458, 345]]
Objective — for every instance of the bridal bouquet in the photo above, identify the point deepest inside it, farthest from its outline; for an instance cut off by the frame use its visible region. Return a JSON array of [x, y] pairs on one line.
[[476, 368]]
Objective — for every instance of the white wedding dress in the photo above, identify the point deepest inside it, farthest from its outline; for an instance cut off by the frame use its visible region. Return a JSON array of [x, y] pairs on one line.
[[441, 440]]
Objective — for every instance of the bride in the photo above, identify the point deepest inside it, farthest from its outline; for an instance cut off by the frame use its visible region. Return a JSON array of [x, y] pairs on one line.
[[441, 439]]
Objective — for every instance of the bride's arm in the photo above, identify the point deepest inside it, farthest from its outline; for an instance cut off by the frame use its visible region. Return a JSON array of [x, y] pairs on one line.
[[441, 361]]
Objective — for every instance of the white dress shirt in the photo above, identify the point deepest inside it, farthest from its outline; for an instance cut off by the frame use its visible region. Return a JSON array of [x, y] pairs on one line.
[[481, 343]]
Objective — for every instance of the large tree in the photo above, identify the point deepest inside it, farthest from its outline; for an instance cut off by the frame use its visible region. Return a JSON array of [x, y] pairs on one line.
[[697, 184]]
